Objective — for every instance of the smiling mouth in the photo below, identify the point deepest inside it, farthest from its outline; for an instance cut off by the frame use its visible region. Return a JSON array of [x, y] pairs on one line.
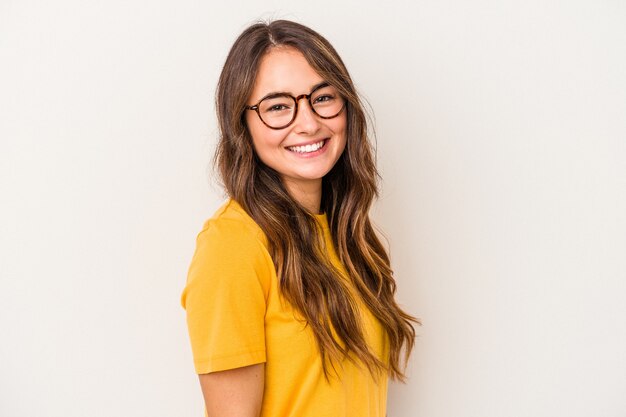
[[308, 148]]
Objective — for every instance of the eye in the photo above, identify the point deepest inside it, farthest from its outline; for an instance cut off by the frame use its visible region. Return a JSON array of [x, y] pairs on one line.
[[278, 107], [323, 98], [280, 104], [274, 106]]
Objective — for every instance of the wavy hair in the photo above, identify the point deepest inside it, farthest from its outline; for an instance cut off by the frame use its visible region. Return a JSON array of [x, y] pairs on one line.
[[307, 279]]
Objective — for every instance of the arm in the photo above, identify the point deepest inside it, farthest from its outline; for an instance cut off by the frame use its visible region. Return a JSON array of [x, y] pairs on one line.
[[235, 392]]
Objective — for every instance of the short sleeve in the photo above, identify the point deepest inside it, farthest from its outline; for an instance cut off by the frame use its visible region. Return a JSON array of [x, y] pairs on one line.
[[225, 297]]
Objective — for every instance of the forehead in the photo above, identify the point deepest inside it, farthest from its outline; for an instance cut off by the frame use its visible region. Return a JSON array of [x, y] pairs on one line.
[[284, 69]]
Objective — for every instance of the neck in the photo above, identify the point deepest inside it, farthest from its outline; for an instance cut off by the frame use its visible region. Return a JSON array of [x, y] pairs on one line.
[[307, 193]]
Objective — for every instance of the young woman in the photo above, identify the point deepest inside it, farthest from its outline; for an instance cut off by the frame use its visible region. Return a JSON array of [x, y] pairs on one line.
[[290, 296]]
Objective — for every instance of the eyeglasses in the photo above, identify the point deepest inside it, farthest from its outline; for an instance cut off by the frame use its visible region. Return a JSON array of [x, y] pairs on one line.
[[277, 111]]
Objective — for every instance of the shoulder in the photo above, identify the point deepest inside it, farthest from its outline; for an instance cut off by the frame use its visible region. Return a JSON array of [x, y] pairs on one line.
[[231, 224], [231, 246]]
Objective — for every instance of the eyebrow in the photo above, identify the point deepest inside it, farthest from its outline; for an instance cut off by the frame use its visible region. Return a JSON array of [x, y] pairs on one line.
[[282, 93]]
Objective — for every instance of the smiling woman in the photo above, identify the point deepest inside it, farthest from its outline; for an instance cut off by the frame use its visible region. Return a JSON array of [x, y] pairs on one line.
[[305, 146], [290, 295]]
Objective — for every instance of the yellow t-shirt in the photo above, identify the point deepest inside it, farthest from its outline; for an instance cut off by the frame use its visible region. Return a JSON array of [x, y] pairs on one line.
[[236, 318]]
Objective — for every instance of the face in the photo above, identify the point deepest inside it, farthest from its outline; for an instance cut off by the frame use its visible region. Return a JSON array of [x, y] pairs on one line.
[[284, 69]]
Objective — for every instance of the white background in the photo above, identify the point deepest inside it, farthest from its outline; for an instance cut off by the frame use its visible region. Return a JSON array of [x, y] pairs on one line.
[[502, 144]]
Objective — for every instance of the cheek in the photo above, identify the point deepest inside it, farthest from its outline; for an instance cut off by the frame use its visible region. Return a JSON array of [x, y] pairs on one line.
[[341, 127], [264, 140]]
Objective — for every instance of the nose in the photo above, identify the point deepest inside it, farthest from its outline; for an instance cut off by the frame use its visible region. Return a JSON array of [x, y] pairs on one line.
[[306, 121]]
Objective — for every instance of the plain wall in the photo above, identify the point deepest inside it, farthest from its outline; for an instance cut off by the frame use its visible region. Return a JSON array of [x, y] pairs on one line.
[[501, 137]]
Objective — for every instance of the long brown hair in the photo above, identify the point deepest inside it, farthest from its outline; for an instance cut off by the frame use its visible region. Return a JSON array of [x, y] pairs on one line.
[[307, 278]]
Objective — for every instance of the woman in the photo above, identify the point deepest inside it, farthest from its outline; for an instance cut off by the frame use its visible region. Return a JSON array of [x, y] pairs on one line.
[[290, 296]]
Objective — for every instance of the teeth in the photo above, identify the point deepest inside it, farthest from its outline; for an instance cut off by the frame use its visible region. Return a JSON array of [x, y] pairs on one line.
[[307, 148]]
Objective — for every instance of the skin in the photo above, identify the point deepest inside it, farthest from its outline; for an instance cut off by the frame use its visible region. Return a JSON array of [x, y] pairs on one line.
[[234, 393], [284, 69], [239, 392]]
